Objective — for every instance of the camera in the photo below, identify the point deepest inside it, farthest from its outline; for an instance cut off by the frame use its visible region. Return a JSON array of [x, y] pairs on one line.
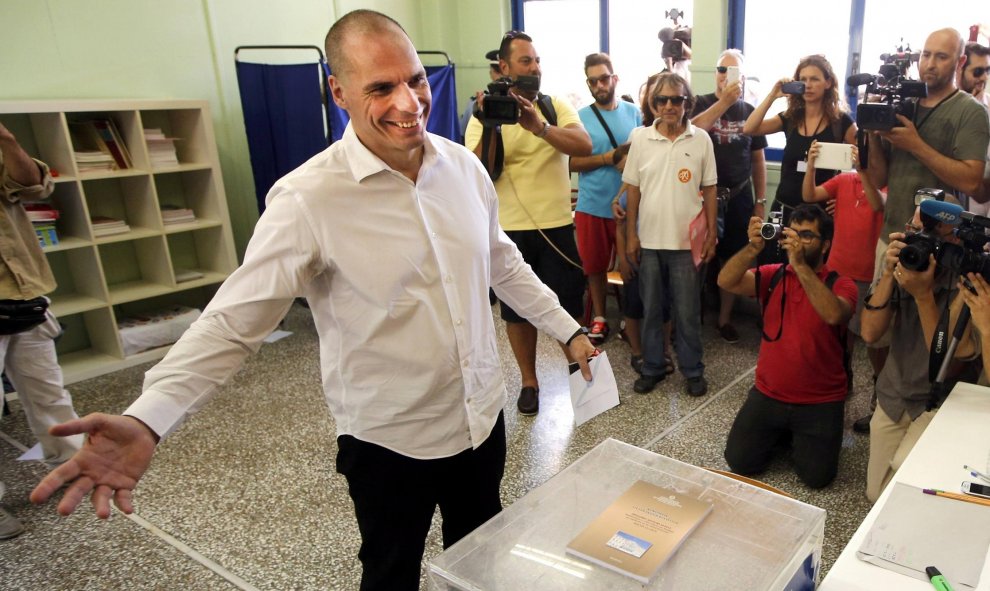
[[897, 92], [772, 229], [967, 257], [795, 87], [499, 107]]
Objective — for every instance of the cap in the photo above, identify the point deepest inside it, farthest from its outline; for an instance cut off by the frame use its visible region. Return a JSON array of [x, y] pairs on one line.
[[492, 56]]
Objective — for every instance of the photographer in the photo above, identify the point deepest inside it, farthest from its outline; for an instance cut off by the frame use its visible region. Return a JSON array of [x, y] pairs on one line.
[[534, 196], [907, 301], [944, 144], [801, 387]]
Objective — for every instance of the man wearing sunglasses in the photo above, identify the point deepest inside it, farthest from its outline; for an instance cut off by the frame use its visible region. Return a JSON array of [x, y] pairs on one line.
[[973, 74], [741, 166], [534, 200], [608, 122], [669, 164], [799, 396]]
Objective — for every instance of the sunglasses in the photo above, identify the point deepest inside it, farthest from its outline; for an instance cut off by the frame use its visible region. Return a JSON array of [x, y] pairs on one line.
[[603, 79], [979, 72], [661, 100], [721, 69]]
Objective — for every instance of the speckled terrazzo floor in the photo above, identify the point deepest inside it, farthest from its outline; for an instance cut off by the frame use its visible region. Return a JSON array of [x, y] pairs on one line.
[[244, 495]]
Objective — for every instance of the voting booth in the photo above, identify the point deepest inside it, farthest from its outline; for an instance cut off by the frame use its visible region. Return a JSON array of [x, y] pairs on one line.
[[752, 539]]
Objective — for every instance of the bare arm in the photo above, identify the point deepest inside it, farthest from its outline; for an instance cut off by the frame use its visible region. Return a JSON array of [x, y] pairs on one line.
[[809, 191], [876, 160], [759, 182], [963, 175], [830, 307], [707, 118], [875, 322], [595, 161], [572, 139], [757, 122], [632, 225]]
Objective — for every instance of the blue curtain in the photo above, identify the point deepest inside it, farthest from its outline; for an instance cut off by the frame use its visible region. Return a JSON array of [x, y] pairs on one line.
[[443, 113], [283, 117]]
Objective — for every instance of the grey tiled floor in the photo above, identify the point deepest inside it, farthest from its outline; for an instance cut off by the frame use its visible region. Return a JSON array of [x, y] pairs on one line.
[[244, 495]]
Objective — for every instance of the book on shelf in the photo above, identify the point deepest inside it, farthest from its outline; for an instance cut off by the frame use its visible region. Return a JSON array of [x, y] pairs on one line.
[[639, 532], [107, 226], [173, 214], [89, 149], [114, 142], [161, 149], [47, 234], [41, 213]]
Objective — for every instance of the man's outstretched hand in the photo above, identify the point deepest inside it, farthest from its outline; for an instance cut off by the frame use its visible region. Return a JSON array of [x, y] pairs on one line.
[[117, 452]]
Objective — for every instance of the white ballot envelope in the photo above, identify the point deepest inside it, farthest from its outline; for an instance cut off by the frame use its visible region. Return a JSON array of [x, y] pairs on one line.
[[590, 399], [834, 156]]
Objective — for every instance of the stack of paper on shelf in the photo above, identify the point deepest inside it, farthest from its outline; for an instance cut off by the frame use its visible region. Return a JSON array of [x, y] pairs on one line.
[[98, 145], [161, 149], [106, 226], [43, 218], [173, 214], [155, 329]]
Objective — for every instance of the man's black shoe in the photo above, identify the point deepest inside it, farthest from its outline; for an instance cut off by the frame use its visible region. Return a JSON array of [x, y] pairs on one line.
[[529, 401], [862, 424], [697, 386], [644, 384]]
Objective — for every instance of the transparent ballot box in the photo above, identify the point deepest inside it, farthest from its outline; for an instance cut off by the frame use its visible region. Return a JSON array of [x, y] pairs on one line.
[[753, 539]]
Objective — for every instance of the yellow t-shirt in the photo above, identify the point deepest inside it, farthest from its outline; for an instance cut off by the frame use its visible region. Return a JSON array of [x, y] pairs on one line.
[[534, 190]]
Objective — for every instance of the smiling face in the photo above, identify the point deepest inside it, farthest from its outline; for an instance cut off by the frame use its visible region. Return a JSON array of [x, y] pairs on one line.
[[939, 60], [385, 91]]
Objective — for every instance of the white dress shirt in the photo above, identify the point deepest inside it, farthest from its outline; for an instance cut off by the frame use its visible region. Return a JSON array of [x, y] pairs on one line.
[[397, 276]]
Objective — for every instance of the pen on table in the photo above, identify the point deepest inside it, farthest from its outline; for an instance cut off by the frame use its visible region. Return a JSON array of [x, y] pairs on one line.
[[974, 472], [957, 496], [938, 581]]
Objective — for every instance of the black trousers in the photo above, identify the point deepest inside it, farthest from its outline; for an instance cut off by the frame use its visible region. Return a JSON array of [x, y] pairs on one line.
[[395, 497], [763, 424]]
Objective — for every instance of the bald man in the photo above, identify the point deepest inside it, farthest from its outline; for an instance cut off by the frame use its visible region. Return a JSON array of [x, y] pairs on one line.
[[397, 289], [943, 146]]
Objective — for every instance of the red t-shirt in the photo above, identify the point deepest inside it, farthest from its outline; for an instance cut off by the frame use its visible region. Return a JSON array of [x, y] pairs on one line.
[[857, 228], [803, 366]]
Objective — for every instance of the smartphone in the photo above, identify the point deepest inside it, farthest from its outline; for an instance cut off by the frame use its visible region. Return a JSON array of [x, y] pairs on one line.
[[731, 74], [977, 490], [792, 88]]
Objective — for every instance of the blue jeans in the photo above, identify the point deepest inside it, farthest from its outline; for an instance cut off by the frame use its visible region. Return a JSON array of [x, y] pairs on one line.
[[683, 292]]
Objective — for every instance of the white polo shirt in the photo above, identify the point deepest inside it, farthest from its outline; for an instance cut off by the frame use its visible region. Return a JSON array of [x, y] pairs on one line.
[[670, 175]]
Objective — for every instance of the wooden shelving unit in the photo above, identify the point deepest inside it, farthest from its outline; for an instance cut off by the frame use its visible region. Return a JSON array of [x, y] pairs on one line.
[[103, 278]]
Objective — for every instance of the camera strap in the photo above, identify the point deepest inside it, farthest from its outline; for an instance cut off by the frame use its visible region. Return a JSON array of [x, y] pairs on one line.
[[601, 120], [778, 275], [940, 342], [917, 126]]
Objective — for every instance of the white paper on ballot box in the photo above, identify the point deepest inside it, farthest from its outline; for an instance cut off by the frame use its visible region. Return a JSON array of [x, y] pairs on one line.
[[590, 399]]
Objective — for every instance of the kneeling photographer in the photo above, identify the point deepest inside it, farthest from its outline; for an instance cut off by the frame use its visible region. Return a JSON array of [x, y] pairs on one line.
[[798, 399], [915, 297]]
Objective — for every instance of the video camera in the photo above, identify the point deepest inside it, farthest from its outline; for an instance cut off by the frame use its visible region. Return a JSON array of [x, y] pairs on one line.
[[499, 107], [967, 257], [676, 40], [893, 87]]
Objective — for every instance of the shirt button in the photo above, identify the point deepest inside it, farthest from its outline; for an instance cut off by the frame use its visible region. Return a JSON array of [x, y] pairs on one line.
[[448, 279], [464, 363], [458, 323], [435, 235]]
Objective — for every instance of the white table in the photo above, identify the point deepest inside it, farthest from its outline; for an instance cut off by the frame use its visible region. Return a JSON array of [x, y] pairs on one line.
[[959, 434]]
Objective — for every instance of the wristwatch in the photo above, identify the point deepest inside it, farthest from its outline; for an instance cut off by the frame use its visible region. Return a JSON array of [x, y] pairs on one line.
[[545, 130], [581, 331]]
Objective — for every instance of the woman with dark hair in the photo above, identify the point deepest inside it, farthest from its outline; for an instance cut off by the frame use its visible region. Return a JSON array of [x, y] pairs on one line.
[[815, 114]]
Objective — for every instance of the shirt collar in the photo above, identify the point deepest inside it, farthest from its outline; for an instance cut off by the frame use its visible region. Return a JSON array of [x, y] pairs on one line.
[[656, 135], [363, 163]]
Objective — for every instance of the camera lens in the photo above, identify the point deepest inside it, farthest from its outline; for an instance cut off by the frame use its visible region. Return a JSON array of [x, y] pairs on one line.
[[770, 231], [915, 256]]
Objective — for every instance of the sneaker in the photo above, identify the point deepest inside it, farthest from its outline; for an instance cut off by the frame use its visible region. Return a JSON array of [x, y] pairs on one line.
[[529, 401], [697, 386], [636, 361], [645, 384], [598, 332], [10, 526], [729, 333], [862, 424]]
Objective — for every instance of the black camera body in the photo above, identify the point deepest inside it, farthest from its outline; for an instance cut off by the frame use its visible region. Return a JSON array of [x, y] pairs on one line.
[[793, 87], [898, 93], [499, 106], [968, 257]]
